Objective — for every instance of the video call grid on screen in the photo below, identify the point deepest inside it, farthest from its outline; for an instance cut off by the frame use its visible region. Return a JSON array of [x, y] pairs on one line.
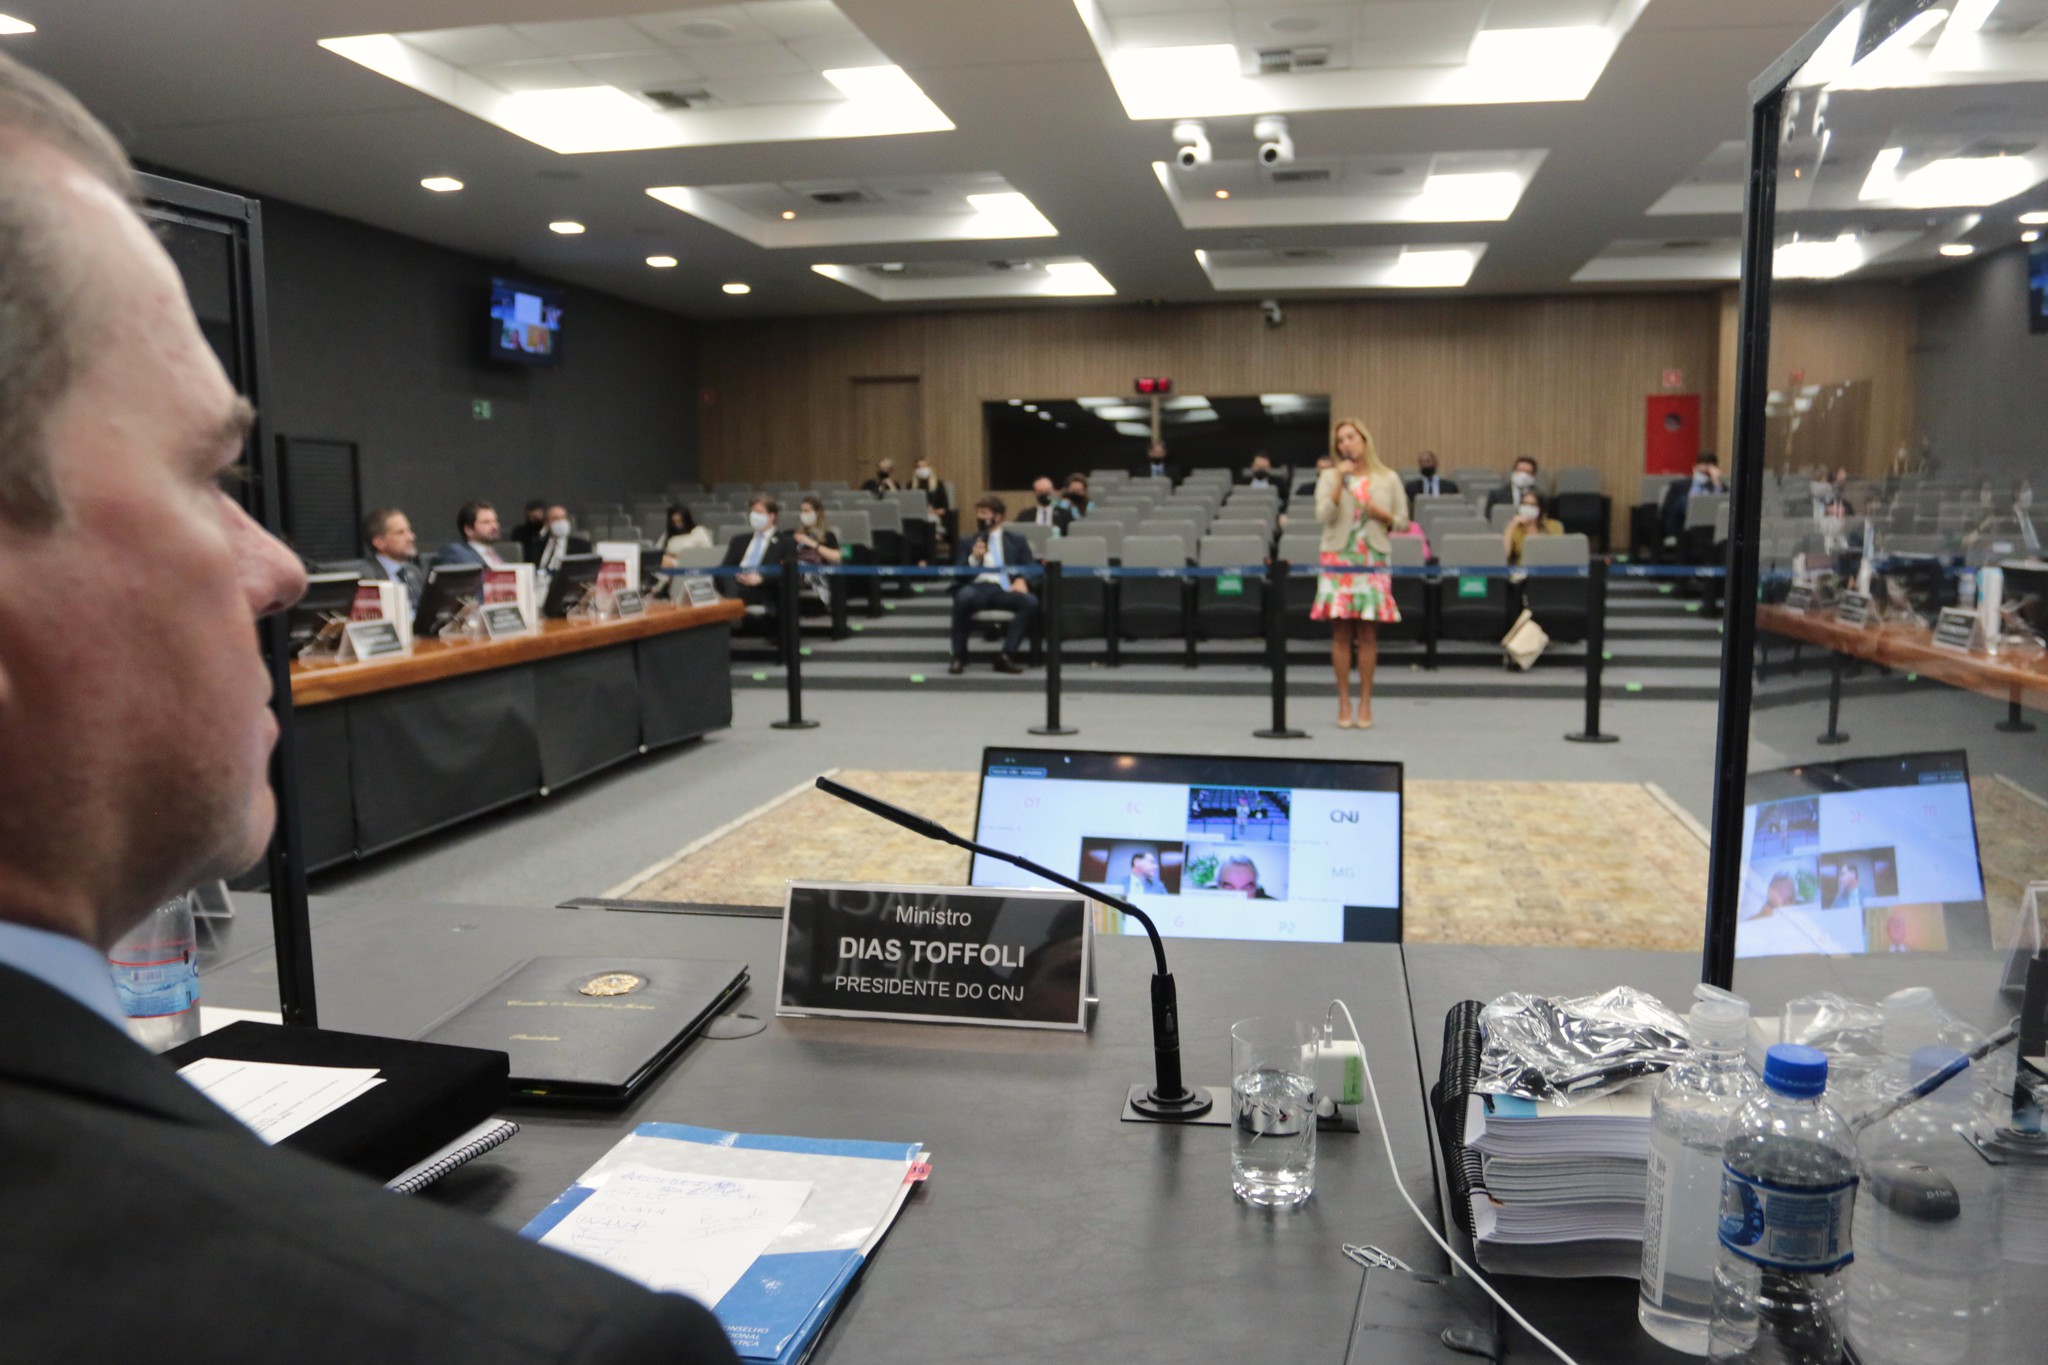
[[1292, 850], [1868, 855]]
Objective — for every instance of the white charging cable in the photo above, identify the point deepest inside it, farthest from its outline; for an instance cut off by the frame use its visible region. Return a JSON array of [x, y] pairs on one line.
[[1394, 1165]]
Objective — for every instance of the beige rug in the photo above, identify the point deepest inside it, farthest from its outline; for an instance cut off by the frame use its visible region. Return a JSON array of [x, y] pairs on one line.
[[1547, 864]]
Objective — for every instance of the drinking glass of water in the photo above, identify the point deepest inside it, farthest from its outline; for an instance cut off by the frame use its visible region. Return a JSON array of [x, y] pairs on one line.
[[1273, 1111]]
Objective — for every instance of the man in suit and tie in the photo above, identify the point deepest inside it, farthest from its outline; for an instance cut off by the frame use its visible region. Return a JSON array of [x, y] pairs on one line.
[[136, 767], [1431, 483], [558, 540], [392, 543], [760, 544], [1157, 464], [1521, 478], [477, 524], [1000, 588], [529, 534], [1046, 508]]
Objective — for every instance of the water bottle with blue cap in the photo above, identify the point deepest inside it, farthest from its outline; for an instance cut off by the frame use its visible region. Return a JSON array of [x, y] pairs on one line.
[[1788, 1193]]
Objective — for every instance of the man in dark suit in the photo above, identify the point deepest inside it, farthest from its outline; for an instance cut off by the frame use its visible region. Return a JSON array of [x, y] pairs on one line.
[[389, 534], [1520, 479], [761, 544], [1706, 478], [1157, 464], [139, 1216], [1430, 483], [558, 540], [529, 534], [477, 525], [1001, 588]]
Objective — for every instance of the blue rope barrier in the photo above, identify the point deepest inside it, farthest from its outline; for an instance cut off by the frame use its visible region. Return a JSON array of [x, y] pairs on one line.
[[1247, 571]]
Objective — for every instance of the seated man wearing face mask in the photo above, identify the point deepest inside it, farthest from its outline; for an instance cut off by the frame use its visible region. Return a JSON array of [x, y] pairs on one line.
[[1432, 484], [1045, 511], [762, 544], [1000, 553], [1706, 478], [884, 480], [1519, 481], [1073, 505], [558, 544]]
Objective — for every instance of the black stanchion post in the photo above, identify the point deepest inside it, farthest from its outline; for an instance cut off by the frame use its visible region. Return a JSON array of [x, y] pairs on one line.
[[1113, 617], [836, 589], [792, 649], [1055, 632], [1274, 598], [1835, 734], [1190, 602], [1596, 652], [2015, 723], [1432, 617]]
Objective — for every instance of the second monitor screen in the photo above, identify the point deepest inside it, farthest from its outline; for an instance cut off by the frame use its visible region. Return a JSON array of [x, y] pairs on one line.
[[1209, 847]]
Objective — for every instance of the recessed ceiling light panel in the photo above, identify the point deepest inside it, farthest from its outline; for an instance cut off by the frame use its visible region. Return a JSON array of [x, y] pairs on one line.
[[441, 184], [567, 227], [9, 26], [737, 287]]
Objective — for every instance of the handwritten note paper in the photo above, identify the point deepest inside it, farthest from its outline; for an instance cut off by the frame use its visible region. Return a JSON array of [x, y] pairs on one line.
[[688, 1234], [275, 1099]]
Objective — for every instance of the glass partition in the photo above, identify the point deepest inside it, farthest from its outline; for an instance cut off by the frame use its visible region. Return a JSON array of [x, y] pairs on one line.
[[1029, 437], [1881, 815]]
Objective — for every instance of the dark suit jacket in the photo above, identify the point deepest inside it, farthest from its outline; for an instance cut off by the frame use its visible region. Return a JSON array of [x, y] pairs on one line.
[[781, 550], [577, 546], [1016, 554], [137, 1212], [458, 552], [1505, 495], [374, 568], [1443, 485], [1675, 499], [527, 536], [1143, 470]]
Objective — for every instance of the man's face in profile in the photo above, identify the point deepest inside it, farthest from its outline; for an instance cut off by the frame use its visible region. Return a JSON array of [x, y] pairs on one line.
[[134, 722]]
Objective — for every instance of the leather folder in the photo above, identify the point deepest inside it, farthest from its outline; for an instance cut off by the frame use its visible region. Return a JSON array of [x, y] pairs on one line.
[[591, 1028], [431, 1094]]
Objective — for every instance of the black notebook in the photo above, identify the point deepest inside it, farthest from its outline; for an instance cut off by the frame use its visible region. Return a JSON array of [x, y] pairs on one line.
[[1459, 1072], [430, 1095], [591, 1028]]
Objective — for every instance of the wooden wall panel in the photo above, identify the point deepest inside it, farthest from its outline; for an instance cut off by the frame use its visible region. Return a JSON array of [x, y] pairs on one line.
[[1863, 333], [1477, 380]]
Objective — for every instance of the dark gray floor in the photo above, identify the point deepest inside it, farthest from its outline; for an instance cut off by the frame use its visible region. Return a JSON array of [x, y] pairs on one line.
[[595, 835]]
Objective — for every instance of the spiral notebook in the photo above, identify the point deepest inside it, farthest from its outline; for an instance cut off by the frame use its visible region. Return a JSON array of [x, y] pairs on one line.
[[465, 1149]]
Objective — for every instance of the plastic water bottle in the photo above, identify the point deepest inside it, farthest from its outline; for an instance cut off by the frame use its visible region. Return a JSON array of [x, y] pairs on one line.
[[1682, 1208], [156, 976], [1927, 1221], [1788, 1191]]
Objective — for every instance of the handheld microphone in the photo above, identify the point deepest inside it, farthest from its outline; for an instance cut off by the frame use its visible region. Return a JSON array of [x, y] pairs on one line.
[[1168, 1099]]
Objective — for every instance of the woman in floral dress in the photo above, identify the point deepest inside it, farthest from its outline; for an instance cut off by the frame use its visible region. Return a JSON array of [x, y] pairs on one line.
[[1358, 502]]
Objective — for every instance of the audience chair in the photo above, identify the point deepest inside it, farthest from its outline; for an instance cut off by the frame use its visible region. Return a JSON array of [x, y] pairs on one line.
[[1472, 608], [1188, 533], [1585, 514], [1562, 606], [1226, 611], [1411, 595], [1153, 608], [1084, 598], [1578, 479]]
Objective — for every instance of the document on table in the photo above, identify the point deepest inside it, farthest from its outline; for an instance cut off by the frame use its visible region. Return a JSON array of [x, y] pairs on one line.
[[677, 1232], [276, 1099]]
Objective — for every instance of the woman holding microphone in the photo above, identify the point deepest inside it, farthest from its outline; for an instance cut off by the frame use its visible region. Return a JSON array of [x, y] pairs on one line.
[[1358, 502]]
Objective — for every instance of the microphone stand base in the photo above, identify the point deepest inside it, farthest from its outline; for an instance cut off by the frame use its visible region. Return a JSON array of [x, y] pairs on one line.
[[1208, 1107], [1280, 734], [1054, 730]]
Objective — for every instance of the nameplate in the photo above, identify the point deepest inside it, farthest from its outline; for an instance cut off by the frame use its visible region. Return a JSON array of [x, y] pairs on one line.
[[1853, 609], [629, 602], [364, 641], [1956, 629], [936, 954], [1799, 599], [504, 619], [700, 591]]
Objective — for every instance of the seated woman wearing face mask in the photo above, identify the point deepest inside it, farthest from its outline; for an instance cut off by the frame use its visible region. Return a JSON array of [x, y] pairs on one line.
[[1528, 521], [816, 543]]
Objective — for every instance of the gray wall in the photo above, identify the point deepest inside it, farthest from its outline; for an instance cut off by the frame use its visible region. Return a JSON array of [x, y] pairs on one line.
[[379, 339], [1983, 378]]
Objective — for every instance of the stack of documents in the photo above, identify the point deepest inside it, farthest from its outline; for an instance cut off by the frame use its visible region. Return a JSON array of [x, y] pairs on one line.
[[1561, 1188], [716, 1216]]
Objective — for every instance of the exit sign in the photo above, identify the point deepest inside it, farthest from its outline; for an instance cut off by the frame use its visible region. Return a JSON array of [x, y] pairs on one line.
[[480, 408], [1152, 386]]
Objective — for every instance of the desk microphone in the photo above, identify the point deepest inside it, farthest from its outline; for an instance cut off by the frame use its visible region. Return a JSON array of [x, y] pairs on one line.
[[1168, 1099]]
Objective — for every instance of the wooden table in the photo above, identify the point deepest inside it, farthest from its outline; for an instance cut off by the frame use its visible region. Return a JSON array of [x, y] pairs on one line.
[[393, 749], [2017, 675]]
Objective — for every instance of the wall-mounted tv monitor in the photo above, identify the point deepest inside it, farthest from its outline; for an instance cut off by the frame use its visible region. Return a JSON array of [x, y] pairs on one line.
[[1869, 855], [1295, 850], [526, 323], [2037, 289]]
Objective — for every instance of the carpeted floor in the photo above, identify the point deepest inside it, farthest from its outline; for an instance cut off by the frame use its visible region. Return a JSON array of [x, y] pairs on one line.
[[1549, 864]]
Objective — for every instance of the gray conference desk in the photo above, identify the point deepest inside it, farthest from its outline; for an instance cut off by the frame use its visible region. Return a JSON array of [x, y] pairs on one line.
[[1049, 1230]]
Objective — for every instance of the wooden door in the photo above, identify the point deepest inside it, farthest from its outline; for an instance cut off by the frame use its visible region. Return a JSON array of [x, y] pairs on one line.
[[888, 420]]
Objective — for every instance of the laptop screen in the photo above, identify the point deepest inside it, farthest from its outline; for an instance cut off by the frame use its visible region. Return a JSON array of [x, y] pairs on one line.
[[1298, 850]]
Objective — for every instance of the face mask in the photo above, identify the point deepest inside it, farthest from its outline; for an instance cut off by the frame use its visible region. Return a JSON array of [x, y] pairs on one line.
[[1429, 471], [1045, 499], [985, 523], [807, 518], [760, 521], [923, 475], [559, 528], [1522, 478], [1527, 513], [1077, 496]]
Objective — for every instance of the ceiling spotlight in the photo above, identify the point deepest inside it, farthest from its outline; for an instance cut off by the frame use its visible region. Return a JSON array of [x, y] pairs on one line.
[[788, 214], [737, 287], [662, 262], [9, 26], [441, 184], [1956, 248], [1223, 194], [2031, 235], [1191, 144], [2038, 218], [568, 227], [1276, 148]]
